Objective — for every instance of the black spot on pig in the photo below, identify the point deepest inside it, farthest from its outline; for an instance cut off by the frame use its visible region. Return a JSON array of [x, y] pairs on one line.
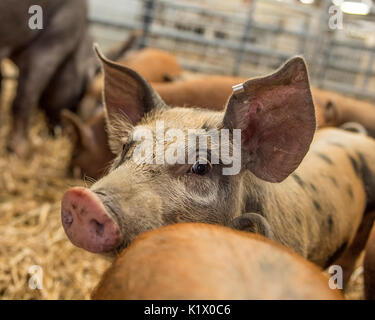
[[317, 206], [298, 180], [355, 165], [334, 181], [330, 223], [368, 177], [298, 221], [366, 172], [325, 158], [350, 191], [313, 187]]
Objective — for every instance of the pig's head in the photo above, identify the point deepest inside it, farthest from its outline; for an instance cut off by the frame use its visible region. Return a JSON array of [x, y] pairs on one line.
[[327, 111], [90, 154], [275, 115]]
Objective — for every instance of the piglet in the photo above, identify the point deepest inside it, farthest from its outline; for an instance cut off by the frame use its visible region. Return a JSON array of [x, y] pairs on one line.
[[201, 261]]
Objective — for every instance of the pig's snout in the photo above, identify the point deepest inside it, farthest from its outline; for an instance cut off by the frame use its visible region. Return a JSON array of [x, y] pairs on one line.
[[86, 221]]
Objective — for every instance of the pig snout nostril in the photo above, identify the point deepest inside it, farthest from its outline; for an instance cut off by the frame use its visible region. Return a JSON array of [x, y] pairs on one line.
[[67, 218], [98, 227], [87, 222]]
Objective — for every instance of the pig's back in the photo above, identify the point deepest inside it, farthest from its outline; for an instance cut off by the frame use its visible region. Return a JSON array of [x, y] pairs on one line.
[[211, 92], [153, 64], [326, 195], [198, 261]]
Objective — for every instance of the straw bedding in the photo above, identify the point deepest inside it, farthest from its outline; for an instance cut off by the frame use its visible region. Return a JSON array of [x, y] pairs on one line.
[[30, 227]]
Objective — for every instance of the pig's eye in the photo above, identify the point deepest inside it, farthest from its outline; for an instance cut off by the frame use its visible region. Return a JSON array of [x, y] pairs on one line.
[[201, 168]]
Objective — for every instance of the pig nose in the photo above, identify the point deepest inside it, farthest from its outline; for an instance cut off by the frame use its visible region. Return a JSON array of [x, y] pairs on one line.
[[86, 221]]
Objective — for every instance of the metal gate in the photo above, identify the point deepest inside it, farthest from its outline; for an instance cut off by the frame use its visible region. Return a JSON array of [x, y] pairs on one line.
[[247, 38]]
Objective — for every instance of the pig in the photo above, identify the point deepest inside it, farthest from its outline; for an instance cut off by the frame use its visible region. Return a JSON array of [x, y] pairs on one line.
[[90, 137], [193, 92], [202, 261], [314, 193], [91, 154], [188, 93], [55, 63], [337, 109], [369, 266]]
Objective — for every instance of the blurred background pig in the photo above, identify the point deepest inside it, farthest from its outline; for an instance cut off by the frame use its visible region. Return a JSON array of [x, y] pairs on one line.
[[55, 62]]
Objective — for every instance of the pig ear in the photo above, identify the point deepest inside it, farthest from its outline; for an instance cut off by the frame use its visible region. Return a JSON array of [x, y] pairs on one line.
[[330, 113], [277, 120], [252, 222], [78, 132], [126, 94]]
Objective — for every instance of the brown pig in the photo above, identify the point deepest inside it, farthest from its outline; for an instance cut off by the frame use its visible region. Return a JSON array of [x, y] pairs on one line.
[[55, 62], [313, 194], [337, 109], [91, 154], [209, 92], [201, 261]]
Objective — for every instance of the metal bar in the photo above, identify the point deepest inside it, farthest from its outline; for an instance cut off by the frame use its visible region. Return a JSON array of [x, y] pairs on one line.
[[243, 40], [119, 25], [346, 68], [149, 6], [356, 46], [369, 72], [202, 10], [226, 33], [275, 29], [249, 47], [349, 89]]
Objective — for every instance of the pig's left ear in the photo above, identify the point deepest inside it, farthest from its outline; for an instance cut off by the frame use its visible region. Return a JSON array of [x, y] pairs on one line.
[[126, 94], [277, 120]]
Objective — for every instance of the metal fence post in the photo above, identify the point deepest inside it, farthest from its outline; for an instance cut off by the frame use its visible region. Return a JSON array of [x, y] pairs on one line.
[[367, 74], [323, 46], [148, 16], [244, 38]]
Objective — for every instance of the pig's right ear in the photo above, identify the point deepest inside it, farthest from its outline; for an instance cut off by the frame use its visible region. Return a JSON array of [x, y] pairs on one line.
[[127, 96], [276, 117]]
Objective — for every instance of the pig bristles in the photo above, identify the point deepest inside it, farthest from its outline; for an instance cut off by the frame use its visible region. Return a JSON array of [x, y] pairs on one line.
[[88, 179], [118, 130], [109, 166]]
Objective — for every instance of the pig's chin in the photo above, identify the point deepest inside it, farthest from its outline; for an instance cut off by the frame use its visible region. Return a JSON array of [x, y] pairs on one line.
[[87, 223]]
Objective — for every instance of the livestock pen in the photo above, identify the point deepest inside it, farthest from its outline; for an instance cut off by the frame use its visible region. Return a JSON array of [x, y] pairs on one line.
[[245, 38]]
